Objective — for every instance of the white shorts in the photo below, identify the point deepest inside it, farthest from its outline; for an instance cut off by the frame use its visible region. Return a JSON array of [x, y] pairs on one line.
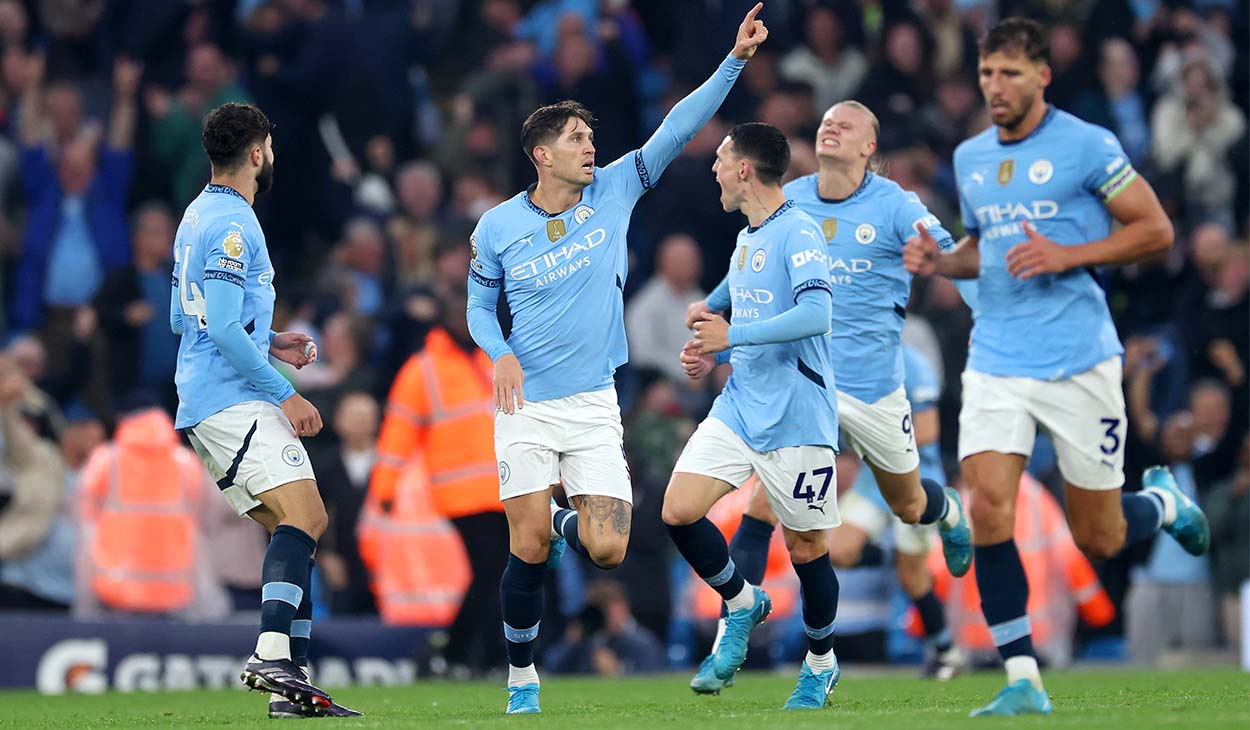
[[249, 449], [868, 516], [882, 432], [1083, 414], [576, 440], [801, 481]]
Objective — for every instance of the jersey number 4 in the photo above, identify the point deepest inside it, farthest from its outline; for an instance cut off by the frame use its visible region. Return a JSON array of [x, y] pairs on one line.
[[805, 491], [192, 298]]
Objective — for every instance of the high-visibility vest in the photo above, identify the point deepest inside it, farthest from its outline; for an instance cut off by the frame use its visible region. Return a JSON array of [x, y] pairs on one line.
[[418, 568], [139, 503], [779, 578], [442, 405], [1061, 580]]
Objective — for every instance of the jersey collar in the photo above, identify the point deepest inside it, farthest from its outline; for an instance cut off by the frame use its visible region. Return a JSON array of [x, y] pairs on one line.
[[530, 203], [1050, 114], [863, 185], [784, 207], [225, 190]]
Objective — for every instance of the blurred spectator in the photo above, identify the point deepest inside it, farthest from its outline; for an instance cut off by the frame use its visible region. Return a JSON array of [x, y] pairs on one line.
[[342, 362], [1117, 103], [133, 306], [655, 318], [899, 83], [76, 233], [176, 119], [343, 476], [1227, 504], [32, 492], [1194, 128], [360, 259], [414, 228], [824, 62], [1069, 76], [954, 42], [142, 508], [236, 547], [1170, 604], [605, 639], [441, 409]]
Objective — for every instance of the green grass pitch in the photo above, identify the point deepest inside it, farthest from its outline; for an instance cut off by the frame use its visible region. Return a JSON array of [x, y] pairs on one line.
[[1199, 699]]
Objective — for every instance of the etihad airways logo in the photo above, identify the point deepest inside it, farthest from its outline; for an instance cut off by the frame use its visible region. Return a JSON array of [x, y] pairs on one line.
[[988, 215], [561, 261]]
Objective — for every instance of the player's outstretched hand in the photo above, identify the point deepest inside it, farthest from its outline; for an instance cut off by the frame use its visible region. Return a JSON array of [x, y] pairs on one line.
[[508, 382], [1037, 255], [293, 348], [711, 334], [695, 311], [750, 34], [696, 366], [920, 252], [303, 415]]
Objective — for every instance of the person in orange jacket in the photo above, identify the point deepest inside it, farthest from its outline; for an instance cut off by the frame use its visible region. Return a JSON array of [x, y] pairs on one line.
[[1062, 583], [441, 408], [142, 507]]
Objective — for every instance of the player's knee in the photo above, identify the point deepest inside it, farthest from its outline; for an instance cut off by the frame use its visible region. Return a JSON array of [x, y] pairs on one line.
[[1099, 542], [992, 517], [845, 555], [607, 557], [315, 522], [675, 514], [531, 549], [909, 511], [807, 550]]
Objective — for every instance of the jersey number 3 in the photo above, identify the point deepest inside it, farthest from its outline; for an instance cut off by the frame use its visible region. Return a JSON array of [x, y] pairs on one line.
[[192, 298]]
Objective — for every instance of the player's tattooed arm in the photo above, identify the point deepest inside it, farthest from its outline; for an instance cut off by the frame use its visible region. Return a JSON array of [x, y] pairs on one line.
[[601, 514]]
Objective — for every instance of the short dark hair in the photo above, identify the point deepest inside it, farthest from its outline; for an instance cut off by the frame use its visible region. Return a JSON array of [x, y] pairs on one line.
[[1017, 34], [547, 122], [230, 130], [765, 146]]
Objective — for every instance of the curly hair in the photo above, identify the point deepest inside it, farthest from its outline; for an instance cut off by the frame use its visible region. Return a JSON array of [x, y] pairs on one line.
[[230, 130]]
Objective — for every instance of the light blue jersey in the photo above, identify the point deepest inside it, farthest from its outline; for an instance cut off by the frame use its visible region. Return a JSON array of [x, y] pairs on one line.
[[923, 391], [220, 243], [1060, 179], [779, 394], [564, 274], [865, 234]]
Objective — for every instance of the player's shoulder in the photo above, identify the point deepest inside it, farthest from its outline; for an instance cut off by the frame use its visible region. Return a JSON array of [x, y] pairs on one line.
[[979, 143], [883, 188], [1071, 131], [502, 215], [800, 188]]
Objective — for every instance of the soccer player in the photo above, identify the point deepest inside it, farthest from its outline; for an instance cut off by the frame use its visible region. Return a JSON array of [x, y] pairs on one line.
[[1038, 192], [865, 222], [243, 418], [866, 516], [558, 252], [777, 416]]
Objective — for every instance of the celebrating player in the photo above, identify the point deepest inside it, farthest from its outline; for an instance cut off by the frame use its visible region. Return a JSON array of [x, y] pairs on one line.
[[777, 416], [243, 418], [865, 222], [1038, 192], [558, 252]]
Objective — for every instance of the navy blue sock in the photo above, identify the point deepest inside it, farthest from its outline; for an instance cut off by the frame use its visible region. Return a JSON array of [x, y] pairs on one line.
[[521, 598], [749, 551], [933, 618], [1144, 513], [565, 522], [703, 546], [301, 627], [1004, 597], [819, 586], [935, 505], [284, 574]]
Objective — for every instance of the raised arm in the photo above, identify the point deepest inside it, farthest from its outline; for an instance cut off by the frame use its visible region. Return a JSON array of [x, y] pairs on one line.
[[689, 115]]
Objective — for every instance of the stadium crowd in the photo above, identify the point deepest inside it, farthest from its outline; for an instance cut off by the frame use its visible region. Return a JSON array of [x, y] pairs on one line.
[[397, 126]]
